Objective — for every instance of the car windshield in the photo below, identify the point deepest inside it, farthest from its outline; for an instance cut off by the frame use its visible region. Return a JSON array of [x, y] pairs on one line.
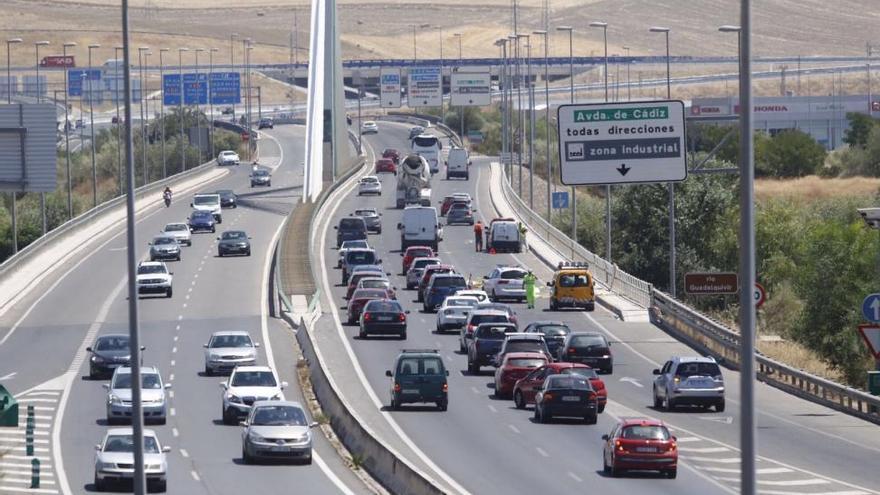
[[697, 369], [366, 213], [645, 432], [568, 382], [492, 333], [202, 215], [360, 258], [230, 341], [513, 274], [278, 416], [226, 194], [449, 282], [351, 224], [354, 245], [253, 379], [125, 443], [205, 200], [572, 280], [525, 346], [421, 263], [369, 180], [588, 341], [553, 330], [384, 307], [497, 307], [234, 235], [111, 344], [526, 362], [176, 227], [261, 173], [149, 381], [145, 269], [164, 240]]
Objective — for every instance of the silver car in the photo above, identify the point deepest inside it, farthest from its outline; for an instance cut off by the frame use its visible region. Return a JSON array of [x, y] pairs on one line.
[[505, 282], [119, 403], [369, 185], [346, 245], [114, 459], [179, 231], [226, 350], [693, 381], [277, 430], [164, 247], [417, 269], [246, 386]]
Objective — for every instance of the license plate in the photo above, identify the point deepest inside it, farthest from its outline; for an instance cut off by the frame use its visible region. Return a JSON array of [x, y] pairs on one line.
[[410, 390], [652, 450], [279, 448], [384, 318], [571, 398]]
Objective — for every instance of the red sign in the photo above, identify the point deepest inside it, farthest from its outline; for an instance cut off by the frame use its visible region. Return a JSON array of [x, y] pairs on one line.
[[871, 336], [58, 61], [711, 283], [760, 295]]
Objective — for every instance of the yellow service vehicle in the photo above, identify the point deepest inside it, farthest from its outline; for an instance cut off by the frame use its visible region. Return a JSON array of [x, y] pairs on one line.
[[572, 286]]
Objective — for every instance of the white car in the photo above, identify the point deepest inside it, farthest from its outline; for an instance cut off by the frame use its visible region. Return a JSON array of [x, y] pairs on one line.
[[226, 350], [114, 459], [369, 185], [119, 403], [153, 277], [369, 127], [277, 430], [453, 313], [480, 295], [246, 385], [179, 231], [346, 245], [505, 282], [228, 157]]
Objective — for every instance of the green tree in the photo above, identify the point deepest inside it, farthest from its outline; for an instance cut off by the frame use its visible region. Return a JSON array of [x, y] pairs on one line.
[[860, 126], [791, 153]]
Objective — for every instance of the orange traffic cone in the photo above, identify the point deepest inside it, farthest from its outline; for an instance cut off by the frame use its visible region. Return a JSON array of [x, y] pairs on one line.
[[491, 250]]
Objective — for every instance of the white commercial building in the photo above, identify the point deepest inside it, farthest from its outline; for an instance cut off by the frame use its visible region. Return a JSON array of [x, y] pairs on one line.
[[823, 117]]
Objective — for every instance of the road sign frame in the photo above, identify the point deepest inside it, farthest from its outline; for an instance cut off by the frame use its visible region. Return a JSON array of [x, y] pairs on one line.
[[480, 98], [427, 75], [762, 293], [389, 90], [600, 171], [875, 351], [717, 278], [562, 204], [868, 310]]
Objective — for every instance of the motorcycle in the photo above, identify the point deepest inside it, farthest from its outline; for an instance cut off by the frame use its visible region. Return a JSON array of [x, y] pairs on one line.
[[167, 200]]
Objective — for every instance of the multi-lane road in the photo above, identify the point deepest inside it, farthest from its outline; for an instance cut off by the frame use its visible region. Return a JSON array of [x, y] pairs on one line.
[[46, 349], [488, 446]]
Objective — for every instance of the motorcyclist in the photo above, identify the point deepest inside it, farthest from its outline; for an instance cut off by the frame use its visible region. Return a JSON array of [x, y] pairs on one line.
[[166, 195]]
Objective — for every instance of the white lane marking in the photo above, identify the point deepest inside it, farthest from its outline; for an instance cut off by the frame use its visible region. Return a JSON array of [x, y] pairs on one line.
[[688, 439], [475, 390], [175, 432], [171, 377], [574, 477], [844, 492], [703, 450], [492, 408], [8, 377], [184, 453], [174, 349], [179, 317], [18, 489], [173, 362], [322, 246], [171, 394], [177, 327], [633, 381], [173, 411], [195, 475], [542, 452], [808, 482], [718, 460], [712, 469], [176, 337], [514, 429], [185, 304]]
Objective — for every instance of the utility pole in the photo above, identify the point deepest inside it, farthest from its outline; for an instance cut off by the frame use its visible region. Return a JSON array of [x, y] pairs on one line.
[[211, 94], [37, 46], [65, 46], [162, 109], [119, 123], [14, 194], [92, 128], [199, 106], [232, 63], [180, 108], [141, 51]]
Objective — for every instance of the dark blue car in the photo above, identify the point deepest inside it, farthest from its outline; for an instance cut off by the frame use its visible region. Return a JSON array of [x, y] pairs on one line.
[[201, 221], [486, 344], [441, 286]]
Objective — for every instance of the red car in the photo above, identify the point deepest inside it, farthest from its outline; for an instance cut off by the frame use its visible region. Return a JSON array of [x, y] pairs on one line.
[[414, 252], [640, 444], [524, 390], [515, 366], [359, 299], [426, 276], [354, 279], [454, 198], [386, 165], [391, 153]]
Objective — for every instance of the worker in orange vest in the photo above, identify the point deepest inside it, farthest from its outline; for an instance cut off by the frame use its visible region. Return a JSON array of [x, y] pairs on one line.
[[478, 235]]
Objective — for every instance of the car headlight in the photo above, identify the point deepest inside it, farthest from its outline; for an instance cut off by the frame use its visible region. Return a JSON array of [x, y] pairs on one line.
[[303, 438], [153, 467], [115, 399], [255, 437], [97, 359], [104, 466], [233, 398], [213, 356]]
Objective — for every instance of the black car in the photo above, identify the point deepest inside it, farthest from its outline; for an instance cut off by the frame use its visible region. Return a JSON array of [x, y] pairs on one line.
[[371, 218], [415, 131], [487, 341], [266, 123], [261, 177], [201, 221], [234, 242], [554, 333], [460, 213], [108, 353], [350, 229], [228, 199], [383, 316], [568, 395], [592, 349]]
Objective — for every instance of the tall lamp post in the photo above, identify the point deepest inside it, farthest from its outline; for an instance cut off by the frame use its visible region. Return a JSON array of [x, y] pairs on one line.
[[628, 63], [211, 52], [232, 63], [247, 55], [672, 277], [198, 105], [141, 51], [14, 194], [442, 112], [37, 46], [570, 30], [501, 43], [604, 26], [543, 33], [119, 123], [162, 108], [460, 110], [531, 97], [92, 127], [180, 108], [64, 48]]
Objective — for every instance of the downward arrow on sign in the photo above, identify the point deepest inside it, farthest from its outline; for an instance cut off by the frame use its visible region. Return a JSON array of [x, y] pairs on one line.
[[623, 169]]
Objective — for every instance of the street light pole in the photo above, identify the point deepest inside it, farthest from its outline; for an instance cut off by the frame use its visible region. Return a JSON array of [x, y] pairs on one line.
[[415, 57], [628, 63], [461, 109], [64, 48], [574, 231], [604, 26], [531, 89], [543, 33], [37, 46], [180, 108], [199, 105], [210, 94], [442, 112], [141, 50], [671, 185], [13, 194], [232, 64], [116, 51], [162, 109], [92, 126], [502, 85]]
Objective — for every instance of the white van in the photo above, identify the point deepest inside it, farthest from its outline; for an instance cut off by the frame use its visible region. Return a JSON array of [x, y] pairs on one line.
[[420, 227], [457, 163], [208, 202], [504, 236], [428, 147]]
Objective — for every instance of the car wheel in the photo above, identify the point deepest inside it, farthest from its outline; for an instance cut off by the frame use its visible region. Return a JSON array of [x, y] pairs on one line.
[[719, 406], [362, 334], [670, 404], [93, 374], [219, 253], [100, 485], [600, 408], [308, 460], [245, 457], [493, 297], [553, 306], [161, 486], [162, 420], [152, 258], [461, 346], [473, 368], [609, 370], [228, 417], [213, 229], [403, 336], [168, 292], [248, 252], [546, 417], [537, 415], [178, 257], [615, 472], [395, 404], [269, 184], [189, 243], [672, 473], [605, 467], [442, 405], [208, 371], [658, 402], [518, 400], [591, 419]]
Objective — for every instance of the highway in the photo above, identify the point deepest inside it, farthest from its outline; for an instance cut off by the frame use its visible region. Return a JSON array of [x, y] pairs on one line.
[[46, 349], [488, 446]]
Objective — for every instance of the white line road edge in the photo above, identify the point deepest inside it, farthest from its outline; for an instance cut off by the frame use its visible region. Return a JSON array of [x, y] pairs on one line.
[[270, 357], [354, 360]]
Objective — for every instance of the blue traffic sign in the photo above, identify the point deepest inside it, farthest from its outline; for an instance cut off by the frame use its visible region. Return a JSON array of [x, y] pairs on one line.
[[225, 88], [871, 308], [75, 80], [560, 200]]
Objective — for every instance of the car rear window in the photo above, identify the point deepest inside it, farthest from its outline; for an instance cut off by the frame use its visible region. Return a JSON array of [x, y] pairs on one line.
[[360, 258], [478, 319], [568, 382], [585, 372], [513, 274], [493, 333], [526, 362], [423, 263], [571, 280], [368, 294], [420, 253], [366, 213], [698, 369], [354, 244], [645, 432], [525, 346], [450, 282], [383, 307], [553, 330], [461, 301], [588, 341], [374, 284], [351, 224], [175, 227]]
